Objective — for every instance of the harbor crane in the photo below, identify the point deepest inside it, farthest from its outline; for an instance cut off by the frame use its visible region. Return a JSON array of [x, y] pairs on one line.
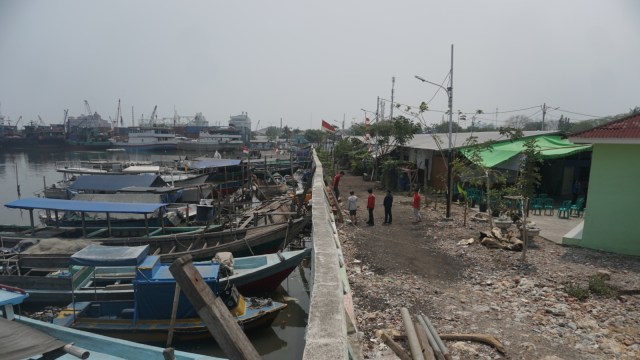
[[88, 108], [153, 115]]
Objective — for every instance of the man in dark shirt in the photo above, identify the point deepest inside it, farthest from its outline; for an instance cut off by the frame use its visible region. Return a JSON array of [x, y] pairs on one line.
[[388, 202]]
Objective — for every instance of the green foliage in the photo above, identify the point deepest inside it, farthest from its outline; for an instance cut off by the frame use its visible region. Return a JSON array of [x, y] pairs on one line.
[[272, 132], [286, 132], [576, 291], [315, 136], [598, 286], [443, 127]]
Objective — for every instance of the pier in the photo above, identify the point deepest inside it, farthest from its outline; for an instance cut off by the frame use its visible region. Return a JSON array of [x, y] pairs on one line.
[[331, 330]]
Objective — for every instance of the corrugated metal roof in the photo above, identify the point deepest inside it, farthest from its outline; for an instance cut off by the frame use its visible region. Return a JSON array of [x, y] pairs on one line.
[[619, 130], [428, 141], [84, 206], [115, 182]]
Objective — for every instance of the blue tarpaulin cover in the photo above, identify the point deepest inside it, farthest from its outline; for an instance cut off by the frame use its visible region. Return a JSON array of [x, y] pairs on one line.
[[84, 206], [101, 255], [214, 163]]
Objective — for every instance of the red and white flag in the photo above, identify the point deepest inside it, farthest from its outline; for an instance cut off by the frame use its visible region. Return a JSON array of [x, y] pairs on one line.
[[328, 127], [245, 150]]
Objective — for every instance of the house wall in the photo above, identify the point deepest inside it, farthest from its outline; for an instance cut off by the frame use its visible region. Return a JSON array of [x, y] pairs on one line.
[[611, 219]]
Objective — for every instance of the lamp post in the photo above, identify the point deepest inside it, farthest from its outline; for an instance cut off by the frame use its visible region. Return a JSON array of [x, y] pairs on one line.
[[449, 91]]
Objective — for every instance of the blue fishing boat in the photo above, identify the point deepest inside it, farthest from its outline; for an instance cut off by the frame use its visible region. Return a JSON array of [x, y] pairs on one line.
[[22, 338], [148, 317]]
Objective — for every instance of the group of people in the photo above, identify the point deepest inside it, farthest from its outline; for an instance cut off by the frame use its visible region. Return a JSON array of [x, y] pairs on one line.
[[387, 203]]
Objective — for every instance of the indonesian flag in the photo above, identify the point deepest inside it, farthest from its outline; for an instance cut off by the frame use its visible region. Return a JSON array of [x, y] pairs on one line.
[[367, 121], [328, 127], [367, 138], [245, 150]]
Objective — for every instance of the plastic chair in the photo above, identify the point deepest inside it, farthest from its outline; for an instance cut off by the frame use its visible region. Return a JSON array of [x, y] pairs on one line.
[[548, 206], [537, 204], [578, 207], [565, 209]]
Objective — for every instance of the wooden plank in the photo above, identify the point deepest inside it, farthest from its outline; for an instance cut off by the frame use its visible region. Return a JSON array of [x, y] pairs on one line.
[[222, 325]]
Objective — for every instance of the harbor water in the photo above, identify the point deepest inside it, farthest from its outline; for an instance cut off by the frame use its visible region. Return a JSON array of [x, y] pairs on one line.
[[24, 174]]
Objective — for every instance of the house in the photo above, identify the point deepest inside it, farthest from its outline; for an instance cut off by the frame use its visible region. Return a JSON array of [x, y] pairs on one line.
[[610, 224]]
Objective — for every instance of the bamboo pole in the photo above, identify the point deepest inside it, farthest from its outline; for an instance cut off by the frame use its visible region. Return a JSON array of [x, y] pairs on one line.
[[433, 331], [412, 337], [432, 340]]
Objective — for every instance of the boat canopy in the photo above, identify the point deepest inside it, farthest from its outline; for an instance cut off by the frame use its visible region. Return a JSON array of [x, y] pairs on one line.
[[101, 255], [19, 341], [115, 182], [84, 206]]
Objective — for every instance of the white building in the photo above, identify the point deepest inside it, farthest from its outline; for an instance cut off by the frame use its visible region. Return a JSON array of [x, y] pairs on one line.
[[243, 124]]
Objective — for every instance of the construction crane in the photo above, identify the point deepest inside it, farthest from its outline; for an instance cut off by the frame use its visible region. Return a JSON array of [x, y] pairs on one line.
[[18, 122], [41, 122], [88, 108], [153, 116], [64, 121], [257, 124]]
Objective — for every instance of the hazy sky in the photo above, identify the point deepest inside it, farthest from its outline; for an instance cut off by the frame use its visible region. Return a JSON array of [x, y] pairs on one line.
[[304, 61]]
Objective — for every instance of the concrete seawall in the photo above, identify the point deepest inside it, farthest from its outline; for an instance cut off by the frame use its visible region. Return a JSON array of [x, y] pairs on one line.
[[331, 331]]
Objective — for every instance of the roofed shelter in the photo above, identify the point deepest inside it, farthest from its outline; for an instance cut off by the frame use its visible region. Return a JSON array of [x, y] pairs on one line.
[[611, 222], [84, 207]]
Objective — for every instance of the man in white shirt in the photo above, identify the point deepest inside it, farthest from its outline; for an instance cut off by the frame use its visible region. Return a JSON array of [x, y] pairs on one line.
[[352, 206]]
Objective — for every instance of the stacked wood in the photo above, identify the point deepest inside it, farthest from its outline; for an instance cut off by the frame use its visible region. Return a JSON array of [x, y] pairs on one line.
[[425, 342], [496, 239]]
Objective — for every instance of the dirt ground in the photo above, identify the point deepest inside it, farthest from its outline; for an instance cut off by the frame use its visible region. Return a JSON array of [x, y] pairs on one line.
[[473, 289]]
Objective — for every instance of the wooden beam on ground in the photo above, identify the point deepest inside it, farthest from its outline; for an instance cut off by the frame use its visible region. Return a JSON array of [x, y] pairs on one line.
[[427, 351], [213, 312], [397, 349], [482, 338]]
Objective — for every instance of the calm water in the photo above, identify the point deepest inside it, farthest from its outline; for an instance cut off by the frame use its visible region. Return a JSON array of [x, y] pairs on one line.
[[30, 170]]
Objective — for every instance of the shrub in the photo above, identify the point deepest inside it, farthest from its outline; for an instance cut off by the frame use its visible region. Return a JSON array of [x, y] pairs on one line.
[[576, 291], [598, 286]]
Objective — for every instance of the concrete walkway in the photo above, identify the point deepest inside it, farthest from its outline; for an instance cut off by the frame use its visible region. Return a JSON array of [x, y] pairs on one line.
[[554, 228]]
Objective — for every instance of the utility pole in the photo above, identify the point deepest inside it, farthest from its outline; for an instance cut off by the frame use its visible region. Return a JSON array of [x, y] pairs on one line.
[[393, 85], [377, 108], [450, 160], [544, 112]]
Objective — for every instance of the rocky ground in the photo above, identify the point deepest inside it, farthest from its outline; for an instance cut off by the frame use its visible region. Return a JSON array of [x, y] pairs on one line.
[[474, 289]]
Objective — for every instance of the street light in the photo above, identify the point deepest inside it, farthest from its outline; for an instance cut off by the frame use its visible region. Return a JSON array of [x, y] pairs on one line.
[[449, 91]]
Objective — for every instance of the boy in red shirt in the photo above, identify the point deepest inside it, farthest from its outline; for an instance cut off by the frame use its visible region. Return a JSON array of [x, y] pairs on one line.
[[416, 206], [371, 204]]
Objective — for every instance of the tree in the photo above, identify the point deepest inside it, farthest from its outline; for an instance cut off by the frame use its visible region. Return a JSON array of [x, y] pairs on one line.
[[357, 130], [286, 132], [443, 127], [518, 121], [315, 136], [272, 132]]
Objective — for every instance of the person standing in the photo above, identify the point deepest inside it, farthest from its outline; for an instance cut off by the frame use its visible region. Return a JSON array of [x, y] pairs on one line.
[[416, 206], [371, 204], [336, 184], [352, 206], [388, 202]]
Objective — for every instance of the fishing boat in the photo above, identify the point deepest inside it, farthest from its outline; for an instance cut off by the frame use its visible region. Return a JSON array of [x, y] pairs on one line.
[[22, 338], [51, 279], [149, 316]]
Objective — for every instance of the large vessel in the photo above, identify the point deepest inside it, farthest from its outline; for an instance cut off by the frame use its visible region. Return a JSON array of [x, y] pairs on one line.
[[223, 140], [155, 138]]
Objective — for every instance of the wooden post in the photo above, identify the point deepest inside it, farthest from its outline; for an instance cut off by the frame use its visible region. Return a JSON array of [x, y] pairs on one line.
[[84, 226], [108, 223], [174, 310], [213, 312], [57, 219], [33, 226]]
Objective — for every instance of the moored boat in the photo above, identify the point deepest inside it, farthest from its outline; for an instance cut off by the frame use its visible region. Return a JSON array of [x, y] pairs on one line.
[[148, 317]]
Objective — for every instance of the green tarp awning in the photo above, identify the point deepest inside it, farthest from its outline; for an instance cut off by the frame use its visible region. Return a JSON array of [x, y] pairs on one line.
[[551, 147]]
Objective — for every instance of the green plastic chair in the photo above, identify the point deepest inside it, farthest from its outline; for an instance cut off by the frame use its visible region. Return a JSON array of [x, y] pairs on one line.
[[565, 209], [548, 206], [578, 207], [537, 204]]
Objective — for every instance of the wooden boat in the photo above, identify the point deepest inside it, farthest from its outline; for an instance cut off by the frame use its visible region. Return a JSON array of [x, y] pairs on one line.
[[148, 317], [50, 279], [22, 337]]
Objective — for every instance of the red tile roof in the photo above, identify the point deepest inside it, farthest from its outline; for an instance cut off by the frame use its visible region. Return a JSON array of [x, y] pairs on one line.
[[626, 128]]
